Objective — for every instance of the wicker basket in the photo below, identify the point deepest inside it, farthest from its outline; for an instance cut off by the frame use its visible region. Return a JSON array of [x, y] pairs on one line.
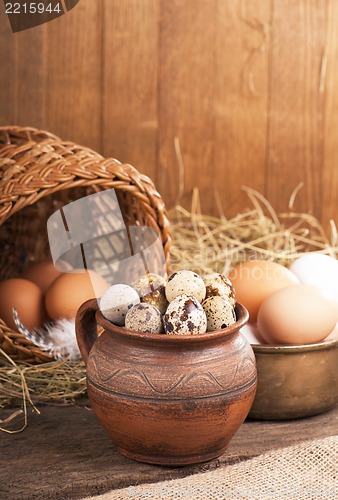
[[39, 173]]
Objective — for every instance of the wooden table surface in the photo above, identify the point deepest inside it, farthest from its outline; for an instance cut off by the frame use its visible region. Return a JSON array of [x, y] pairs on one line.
[[65, 454]]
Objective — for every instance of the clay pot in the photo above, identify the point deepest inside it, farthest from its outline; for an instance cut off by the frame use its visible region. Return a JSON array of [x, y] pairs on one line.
[[167, 399]]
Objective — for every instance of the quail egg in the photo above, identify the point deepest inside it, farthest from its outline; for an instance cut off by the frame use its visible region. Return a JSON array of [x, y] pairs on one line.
[[151, 289], [218, 284], [185, 316], [116, 301], [144, 318], [186, 282], [220, 313]]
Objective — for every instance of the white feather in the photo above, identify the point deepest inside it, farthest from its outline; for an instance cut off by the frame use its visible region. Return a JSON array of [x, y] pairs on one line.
[[58, 339]]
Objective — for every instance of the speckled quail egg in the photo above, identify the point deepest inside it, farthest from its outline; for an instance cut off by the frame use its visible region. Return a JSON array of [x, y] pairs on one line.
[[151, 289], [116, 301], [186, 282], [218, 284], [144, 318], [185, 316], [220, 313]]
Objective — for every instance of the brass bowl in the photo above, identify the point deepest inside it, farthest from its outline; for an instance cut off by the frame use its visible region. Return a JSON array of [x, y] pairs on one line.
[[295, 381]]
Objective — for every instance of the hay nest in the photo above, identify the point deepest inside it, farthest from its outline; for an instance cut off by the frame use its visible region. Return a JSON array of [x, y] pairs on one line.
[[208, 244]]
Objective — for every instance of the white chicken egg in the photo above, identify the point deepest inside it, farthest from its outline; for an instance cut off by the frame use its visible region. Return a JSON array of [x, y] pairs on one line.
[[318, 270], [218, 284], [220, 313], [185, 316], [334, 334], [145, 318], [251, 333], [186, 282], [116, 301]]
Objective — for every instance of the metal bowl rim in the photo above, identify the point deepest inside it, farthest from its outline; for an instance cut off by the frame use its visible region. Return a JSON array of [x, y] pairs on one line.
[[290, 349]]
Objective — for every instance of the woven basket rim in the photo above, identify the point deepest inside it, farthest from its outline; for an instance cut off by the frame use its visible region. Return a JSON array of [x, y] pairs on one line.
[[35, 164]]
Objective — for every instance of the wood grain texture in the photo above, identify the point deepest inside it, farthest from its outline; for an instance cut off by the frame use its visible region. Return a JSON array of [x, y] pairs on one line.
[[247, 88], [329, 89], [22, 75], [241, 100], [7, 72], [74, 74], [130, 52], [64, 453], [295, 148], [186, 86]]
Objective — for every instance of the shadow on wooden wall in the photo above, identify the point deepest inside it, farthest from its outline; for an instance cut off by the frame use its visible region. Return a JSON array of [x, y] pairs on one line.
[[246, 91]]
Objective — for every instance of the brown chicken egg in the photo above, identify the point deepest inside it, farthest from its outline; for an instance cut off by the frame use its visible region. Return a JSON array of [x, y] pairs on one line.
[[27, 298], [70, 290], [298, 314], [42, 273], [255, 280]]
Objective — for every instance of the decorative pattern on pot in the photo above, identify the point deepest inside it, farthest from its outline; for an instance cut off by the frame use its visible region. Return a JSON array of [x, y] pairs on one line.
[[167, 399]]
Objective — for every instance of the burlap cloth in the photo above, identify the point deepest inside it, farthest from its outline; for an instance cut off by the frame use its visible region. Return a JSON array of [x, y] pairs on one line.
[[304, 471]]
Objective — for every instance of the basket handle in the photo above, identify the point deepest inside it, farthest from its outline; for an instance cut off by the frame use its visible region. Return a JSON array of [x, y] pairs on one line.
[[86, 327]]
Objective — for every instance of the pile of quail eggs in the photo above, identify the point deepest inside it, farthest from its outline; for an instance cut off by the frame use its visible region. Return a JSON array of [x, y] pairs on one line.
[[184, 305]]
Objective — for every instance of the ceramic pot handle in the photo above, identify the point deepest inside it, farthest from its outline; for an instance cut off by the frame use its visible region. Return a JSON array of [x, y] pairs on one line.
[[86, 327]]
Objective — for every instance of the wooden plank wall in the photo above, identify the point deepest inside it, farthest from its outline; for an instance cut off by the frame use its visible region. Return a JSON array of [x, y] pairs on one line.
[[246, 91]]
